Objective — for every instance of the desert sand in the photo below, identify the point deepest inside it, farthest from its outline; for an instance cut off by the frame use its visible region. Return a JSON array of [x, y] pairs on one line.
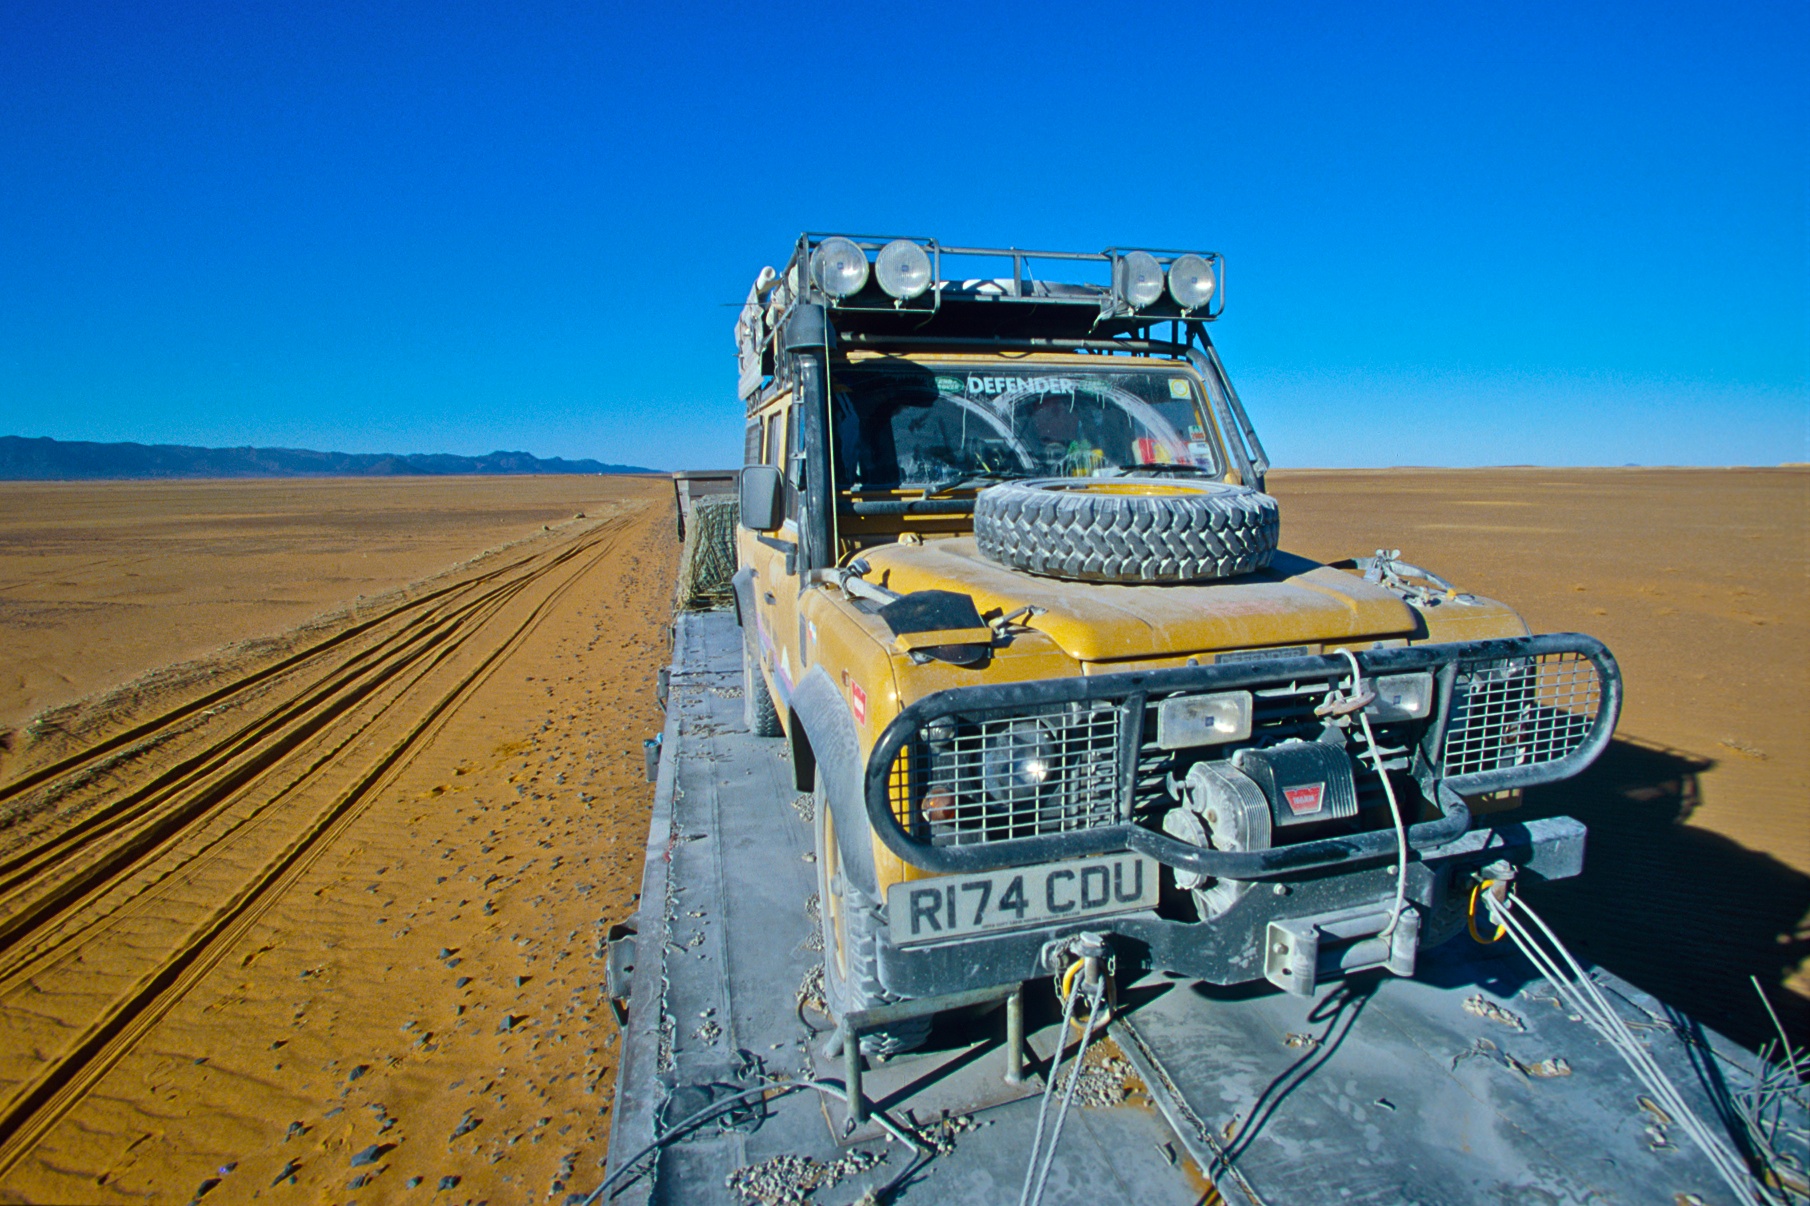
[[1698, 869], [100, 581], [316, 916], [337, 930]]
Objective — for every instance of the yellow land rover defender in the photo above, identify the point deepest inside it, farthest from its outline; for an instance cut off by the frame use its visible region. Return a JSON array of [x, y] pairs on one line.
[[1010, 589]]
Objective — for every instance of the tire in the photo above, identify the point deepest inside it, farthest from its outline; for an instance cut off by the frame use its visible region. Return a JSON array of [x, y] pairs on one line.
[[758, 711], [1127, 529], [851, 926]]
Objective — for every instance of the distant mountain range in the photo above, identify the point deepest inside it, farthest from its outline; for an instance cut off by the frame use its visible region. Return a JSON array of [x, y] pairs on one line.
[[45, 459]]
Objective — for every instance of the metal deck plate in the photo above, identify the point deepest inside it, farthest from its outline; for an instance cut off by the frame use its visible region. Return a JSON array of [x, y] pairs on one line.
[[724, 943], [1379, 1090], [1391, 1091]]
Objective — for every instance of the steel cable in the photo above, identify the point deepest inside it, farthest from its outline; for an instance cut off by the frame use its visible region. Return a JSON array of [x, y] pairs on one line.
[[1037, 1175], [1579, 992], [1401, 830]]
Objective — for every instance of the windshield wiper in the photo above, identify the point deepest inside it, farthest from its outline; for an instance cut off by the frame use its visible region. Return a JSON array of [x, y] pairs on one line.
[[977, 478], [1166, 467]]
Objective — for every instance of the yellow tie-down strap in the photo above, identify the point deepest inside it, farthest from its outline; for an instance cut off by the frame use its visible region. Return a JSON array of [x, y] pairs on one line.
[[906, 642]]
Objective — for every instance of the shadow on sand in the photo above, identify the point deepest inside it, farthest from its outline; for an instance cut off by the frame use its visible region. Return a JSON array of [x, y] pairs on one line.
[[1683, 913]]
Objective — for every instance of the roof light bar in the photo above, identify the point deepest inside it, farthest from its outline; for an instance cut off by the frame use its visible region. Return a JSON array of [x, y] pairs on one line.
[[902, 269], [839, 267], [885, 289], [1139, 283], [1192, 281]]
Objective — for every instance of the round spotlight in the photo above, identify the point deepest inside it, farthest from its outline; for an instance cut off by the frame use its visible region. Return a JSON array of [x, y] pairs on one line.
[[902, 269], [1140, 278], [1018, 763], [839, 267], [1191, 281]]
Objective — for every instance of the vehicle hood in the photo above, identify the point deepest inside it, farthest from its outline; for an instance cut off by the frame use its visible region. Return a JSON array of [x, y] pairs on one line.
[[1294, 602]]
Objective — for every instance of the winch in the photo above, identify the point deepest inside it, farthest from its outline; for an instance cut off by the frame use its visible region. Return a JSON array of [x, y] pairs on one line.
[[1239, 803]]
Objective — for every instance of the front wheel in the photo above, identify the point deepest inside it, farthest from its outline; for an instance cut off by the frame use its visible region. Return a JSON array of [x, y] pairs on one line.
[[851, 928]]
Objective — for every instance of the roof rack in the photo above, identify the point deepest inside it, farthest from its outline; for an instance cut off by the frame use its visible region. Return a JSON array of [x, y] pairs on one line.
[[881, 291]]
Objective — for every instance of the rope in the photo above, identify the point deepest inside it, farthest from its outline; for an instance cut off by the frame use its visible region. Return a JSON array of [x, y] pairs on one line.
[[1401, 830], [1586, 1000], [1036, 1175]]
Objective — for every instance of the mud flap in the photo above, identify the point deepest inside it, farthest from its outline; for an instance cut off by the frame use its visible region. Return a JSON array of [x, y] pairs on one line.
[[743, 583]]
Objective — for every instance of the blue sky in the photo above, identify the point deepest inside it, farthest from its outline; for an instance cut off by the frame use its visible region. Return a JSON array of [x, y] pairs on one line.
[[1458, 234]]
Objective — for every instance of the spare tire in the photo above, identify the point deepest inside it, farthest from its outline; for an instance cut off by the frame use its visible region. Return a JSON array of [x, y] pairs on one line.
[[1127, 529]]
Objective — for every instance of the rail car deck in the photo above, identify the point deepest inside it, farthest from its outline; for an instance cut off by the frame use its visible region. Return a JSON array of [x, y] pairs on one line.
[[1467, 1083]]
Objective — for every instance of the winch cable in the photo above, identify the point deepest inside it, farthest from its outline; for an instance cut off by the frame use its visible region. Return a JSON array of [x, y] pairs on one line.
[[1401, 830], [769, 1092], [1049, 1087], [1587, 1001], [1035, 1174]]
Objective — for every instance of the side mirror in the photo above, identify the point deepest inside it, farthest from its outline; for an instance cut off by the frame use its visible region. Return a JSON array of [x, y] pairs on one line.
[[762, 498]]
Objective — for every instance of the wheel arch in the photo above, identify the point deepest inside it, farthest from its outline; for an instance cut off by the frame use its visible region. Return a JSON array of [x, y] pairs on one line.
[[823, 742]]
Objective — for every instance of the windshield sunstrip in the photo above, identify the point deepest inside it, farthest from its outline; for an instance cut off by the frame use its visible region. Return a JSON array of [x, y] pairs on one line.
[[904, 425]]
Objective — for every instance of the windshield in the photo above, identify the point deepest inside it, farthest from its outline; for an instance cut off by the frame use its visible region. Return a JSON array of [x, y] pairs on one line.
[[905, 425]]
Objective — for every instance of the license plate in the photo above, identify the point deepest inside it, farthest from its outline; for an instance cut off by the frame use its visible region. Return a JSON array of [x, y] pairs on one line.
[[950, 906]]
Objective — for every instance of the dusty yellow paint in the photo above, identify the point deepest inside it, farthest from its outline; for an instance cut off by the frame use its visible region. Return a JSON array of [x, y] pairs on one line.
[[1081, 628], [1295, 601]]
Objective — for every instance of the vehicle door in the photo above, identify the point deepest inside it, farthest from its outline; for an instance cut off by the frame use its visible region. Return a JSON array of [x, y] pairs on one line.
[[774, 556]]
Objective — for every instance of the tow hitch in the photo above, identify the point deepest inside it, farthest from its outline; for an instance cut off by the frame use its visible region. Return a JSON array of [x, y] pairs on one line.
[[1301, 951]]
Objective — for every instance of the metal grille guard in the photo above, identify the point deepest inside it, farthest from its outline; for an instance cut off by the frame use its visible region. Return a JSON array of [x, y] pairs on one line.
[[1489, 662]]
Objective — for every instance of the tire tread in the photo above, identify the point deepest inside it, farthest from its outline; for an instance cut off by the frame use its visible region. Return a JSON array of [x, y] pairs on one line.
[[1213, 532]]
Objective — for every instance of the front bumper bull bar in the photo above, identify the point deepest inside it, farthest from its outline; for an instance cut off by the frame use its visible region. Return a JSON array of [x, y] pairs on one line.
[[1132, 689], [1232, 948]]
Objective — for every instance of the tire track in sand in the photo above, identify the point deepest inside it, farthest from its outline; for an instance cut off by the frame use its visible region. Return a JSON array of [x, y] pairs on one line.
[[167, 720], [44, 917], [209, 915], [53, 875]]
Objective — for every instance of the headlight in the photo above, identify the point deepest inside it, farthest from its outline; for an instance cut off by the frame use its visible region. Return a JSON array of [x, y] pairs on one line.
[[1191, 281], [1140, 278], [1203, 720], [1402, 697], [1017, 762], [902, 269], [839, 267]]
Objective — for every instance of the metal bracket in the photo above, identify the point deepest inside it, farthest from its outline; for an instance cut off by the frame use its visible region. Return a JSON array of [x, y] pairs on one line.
[[619, 968], [1057, 955], [851, 1026], [1300, 951]]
